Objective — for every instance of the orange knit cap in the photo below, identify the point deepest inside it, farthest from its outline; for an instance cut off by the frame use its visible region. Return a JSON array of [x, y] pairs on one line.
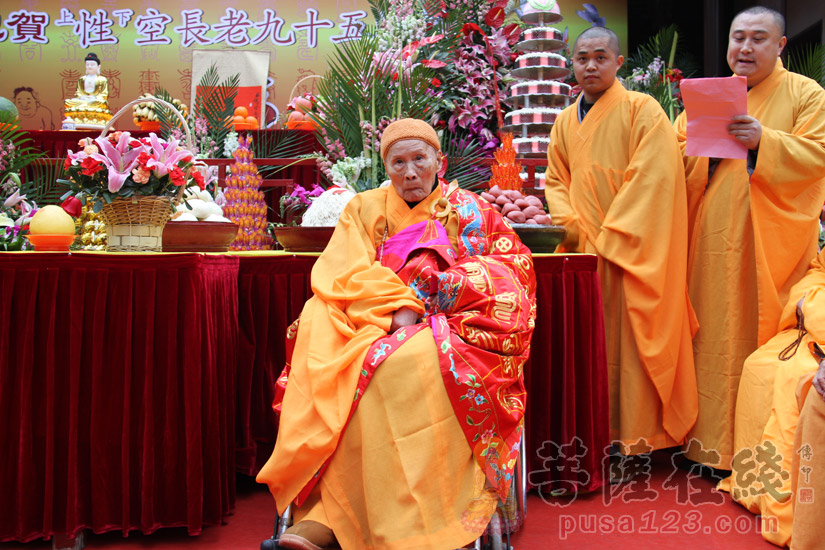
[[408, 128]]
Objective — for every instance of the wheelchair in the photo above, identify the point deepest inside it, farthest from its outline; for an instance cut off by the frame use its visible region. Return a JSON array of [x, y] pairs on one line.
[[495, 537]]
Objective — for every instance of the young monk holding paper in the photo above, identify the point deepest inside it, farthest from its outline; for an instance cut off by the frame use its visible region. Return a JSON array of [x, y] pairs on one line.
[[615, 181]]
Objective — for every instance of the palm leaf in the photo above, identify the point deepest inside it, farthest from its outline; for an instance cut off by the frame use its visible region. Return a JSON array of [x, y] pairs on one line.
[[465, 162], [276, 145], [40, 182], [168, 120], [215, 102], [661, 45], [24, 153], [808, 60]]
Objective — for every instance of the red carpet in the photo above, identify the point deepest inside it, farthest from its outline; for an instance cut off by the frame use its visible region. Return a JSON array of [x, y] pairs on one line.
[[655, 512]]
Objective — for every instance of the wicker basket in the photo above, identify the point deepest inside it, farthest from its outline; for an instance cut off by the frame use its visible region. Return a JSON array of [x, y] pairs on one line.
[[136, 224]]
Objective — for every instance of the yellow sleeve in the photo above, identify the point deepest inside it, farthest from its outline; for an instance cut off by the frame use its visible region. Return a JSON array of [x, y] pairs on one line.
[[557, 187], [348, 277], [696, 171], [788, 162]]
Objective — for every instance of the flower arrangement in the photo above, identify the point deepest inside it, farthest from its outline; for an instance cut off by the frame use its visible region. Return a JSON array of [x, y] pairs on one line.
[[443, 62], [294, 205], [17, 204], [120, 166], [653, 70]]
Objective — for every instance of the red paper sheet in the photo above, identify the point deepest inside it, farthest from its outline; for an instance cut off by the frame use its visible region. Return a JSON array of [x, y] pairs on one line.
[[710, 104]]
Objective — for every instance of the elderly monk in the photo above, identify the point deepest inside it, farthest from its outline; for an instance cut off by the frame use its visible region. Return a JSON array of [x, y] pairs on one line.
[[767, 411], [402, 411], [753, 222], [615, 180]]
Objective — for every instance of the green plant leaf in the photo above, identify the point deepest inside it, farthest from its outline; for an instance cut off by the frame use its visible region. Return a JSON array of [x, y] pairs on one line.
[[808, 60]]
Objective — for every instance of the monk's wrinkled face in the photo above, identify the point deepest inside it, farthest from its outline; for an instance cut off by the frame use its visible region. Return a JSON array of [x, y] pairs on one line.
[[754, 45], [92, 67], [595, 65], [412, 165]]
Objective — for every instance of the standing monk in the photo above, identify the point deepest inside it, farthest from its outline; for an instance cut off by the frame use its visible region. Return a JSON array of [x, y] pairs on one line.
[[615, 181], [753, 222]]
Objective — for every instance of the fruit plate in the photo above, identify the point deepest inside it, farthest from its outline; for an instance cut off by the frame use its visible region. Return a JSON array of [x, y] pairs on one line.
[[540, 239], [303, 239], [51, 243], [198, 236]]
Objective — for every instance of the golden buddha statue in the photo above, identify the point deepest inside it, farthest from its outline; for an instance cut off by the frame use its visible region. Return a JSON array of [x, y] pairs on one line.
[[90, 106]]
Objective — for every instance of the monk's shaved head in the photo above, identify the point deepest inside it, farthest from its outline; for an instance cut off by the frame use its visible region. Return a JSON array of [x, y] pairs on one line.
[[762, 10], [599, 32]]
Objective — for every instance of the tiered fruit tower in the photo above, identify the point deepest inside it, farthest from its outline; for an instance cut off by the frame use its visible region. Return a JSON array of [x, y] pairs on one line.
[[245, 204], [540, 96]]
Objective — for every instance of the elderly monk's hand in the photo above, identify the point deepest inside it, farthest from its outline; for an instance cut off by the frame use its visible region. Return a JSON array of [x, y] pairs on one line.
[[746, 130], [403, 317]]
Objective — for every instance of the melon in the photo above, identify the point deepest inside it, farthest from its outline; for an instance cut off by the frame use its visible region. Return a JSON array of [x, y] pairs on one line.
[[8, 111], [51, 220]]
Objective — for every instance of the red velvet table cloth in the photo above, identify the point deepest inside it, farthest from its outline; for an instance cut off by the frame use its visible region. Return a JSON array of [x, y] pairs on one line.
[[117, 392], [566, 376]]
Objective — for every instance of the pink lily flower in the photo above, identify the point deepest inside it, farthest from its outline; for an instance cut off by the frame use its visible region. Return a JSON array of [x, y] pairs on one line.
[[119, 160], [166, 155], [14, 199]]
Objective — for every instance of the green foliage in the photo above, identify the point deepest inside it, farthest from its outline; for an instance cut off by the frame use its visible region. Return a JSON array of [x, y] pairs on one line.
[[665, 45], [167, 119], [275, 145], [809, 60], [362, 84], [40, 182], [215, 103], [465, 163], [657, 67], [23, 153]]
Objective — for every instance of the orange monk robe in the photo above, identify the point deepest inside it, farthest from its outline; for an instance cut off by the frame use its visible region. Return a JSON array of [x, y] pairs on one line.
[[752, 239], [808, 474], [374, 500], [767, 412], [615, 180]]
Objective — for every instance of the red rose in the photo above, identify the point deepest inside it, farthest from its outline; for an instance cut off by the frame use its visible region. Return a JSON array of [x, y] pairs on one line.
[[67, 163], [198, 177], [436, 82], [90, 166], [72, 206], [177, 176]]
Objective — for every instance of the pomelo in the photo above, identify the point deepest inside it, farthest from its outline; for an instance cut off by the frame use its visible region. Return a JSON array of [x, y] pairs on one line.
[[51, 220]]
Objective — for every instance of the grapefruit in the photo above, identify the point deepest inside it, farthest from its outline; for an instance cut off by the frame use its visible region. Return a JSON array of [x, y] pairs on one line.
[[51, 220]]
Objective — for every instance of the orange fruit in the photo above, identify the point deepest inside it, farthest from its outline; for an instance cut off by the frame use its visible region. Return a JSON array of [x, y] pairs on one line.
[[252, 120], [241, 112], [238, 119]]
